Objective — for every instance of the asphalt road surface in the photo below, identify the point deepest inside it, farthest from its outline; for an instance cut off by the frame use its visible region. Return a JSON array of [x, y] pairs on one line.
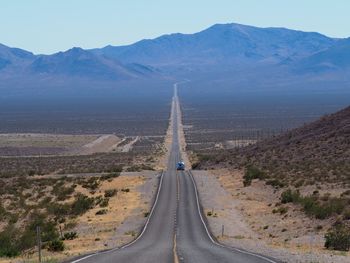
[[176, 230]]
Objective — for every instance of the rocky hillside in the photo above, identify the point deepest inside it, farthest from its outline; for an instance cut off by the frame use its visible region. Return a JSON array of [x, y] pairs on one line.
[[319, 151]]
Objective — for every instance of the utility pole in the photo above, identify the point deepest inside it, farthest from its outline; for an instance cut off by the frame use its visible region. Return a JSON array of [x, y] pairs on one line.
[[38, 238], [222, 230], [61, 231]]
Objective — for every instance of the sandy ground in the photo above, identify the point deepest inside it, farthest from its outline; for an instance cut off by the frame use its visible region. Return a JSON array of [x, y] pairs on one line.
[[44, 140], [127, 147], [104, 143], [246, 214], [237, 143], [124, 219], [121, 224], [30, 144]]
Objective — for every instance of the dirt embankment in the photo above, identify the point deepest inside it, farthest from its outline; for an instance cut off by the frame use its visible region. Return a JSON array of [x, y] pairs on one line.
[[249, 223]]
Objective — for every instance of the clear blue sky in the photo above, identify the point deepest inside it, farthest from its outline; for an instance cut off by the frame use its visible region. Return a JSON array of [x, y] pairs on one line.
[[48, 26]]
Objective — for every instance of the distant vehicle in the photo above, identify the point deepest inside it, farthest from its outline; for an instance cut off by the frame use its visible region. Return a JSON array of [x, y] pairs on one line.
[[180, 166]]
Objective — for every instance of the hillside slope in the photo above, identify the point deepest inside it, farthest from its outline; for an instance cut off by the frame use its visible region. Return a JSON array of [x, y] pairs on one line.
[[319, 151]]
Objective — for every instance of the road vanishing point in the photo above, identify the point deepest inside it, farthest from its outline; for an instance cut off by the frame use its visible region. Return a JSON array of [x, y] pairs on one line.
[[176, 229]]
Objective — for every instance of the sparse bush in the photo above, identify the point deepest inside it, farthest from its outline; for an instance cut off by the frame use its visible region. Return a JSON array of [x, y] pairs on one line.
[[299, 183], [81, 204], [290, 196], [110, 192], [195, 165], [252, 173], [92, 183], [56, 245], [70, 236], [346, 214], [125, 190], [3, 213], [312, 206], [101, 212], [64, 193], [282, 210], [8, 242], [345, 193], [31, 173], [104, 202], [338, 238], [275, 183], [58, 210]]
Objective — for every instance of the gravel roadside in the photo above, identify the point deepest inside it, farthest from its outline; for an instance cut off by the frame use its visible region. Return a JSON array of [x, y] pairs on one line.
[[225, 211]]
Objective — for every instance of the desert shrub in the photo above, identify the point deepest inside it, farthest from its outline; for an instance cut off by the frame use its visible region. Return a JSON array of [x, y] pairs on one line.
[[101, 212], [116, 170], [48, 231], [346, 214], [8, 242], [81, 204], [110, 176], [125, 190], [338, 238], [70, 236], [58, 210], [92, 183], [275, 183], [252, 173], [313, 206], [290, 196], [139, 168], [12, 218], [282, 210], [346, 193], [195, 165], [31, 173], [323, 210], [104, 202], [3, 213], [299, 183], [110, 192], [56, 245], [64, 193]]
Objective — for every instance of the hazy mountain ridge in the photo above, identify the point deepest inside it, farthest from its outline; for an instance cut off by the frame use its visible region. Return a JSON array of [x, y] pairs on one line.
[[79, 62], [222, 47], [222, 43], [75, 62], [337, 57]]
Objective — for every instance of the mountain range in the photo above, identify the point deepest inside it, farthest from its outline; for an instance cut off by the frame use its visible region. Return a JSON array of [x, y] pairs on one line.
[[222, 46]]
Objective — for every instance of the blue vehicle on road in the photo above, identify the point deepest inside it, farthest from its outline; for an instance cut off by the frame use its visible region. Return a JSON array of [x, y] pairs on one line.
[[180, 166]]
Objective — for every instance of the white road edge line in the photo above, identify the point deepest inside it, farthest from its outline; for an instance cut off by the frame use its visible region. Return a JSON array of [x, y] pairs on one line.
[[209, 235], [143, 230]]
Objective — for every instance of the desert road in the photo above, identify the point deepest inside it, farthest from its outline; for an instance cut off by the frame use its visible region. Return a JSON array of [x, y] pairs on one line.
[[176, 230]]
